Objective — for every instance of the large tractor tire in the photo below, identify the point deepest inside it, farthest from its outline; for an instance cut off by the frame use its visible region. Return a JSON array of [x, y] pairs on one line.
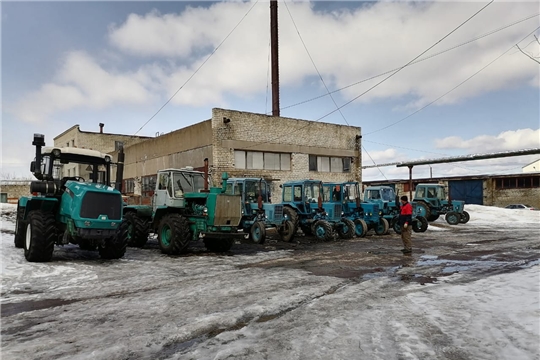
[[465, 217], [347, 230], [323, 230], [423, 209], [137, 230], [292, 215], [360, 228], [382, 227], [20, 228], [218, 245], [258, 232], [40, 236], [420, 225], [115, 247], [452, 218], [432, 217], [173, 234], [396, 226], [286, 232]]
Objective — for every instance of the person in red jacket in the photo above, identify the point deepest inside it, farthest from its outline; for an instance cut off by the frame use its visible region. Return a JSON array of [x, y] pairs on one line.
[[405, 221]]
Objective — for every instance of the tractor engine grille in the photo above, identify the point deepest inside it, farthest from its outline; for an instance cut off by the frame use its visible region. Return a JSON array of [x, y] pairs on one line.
[[98, 203], [278, 212], [337, 210], [228, 210]]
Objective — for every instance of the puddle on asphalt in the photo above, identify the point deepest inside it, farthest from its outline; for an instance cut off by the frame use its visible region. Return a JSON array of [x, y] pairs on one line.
[[10, 309]]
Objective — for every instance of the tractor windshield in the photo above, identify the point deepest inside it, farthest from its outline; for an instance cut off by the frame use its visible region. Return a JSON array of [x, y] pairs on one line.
[[311, 192], [331, 193], [387, 194], [373, 195], [253, 189], [350, 192], [184, 182]]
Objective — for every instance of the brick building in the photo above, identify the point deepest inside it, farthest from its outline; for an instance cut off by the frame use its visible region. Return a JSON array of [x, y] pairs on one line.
[[103, 142], [491, 190], [245, 144], [12, 190]]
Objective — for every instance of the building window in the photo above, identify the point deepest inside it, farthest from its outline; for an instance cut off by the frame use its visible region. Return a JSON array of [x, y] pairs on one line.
[[258, 160], [129, 186], [72, 143], [67, 144], [329, 164], [522, 182]]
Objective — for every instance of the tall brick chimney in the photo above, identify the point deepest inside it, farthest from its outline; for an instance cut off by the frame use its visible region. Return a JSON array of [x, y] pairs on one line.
[[101, 125]]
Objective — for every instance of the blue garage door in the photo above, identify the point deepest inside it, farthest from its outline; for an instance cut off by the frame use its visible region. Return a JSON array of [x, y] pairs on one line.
[[470, 191]]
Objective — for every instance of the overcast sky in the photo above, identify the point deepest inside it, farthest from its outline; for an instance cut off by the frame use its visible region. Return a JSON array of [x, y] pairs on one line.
[[66, 63]]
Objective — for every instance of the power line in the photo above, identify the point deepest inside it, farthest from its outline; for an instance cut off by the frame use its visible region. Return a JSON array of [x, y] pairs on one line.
[[200, 66], [380, 82], [454, 88], [417, 61]]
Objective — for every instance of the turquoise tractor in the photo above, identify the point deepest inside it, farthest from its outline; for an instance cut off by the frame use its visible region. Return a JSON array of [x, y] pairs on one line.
[[183, 209], [365, 216], [259, 213], [70, 209], [430, 201], [304, 206], [389, 205]]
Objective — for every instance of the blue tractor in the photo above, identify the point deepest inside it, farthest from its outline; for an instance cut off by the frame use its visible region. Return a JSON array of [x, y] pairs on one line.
[[185, 209], [389, 205], [431, 202], [304, 205], [365, 216], [70, 209], [259, 214]]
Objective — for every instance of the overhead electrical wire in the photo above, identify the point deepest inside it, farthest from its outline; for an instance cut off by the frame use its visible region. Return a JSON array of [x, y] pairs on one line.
[[200, 66], [324, 83], [417, 61], [454, 88], [380, 82]]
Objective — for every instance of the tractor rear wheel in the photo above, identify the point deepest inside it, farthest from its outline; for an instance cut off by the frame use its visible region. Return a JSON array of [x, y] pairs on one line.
[[396, 226], [323, 230], [423, 209], [347, 230], [360, 228], [218, 245], [432, 217], [286, 231], [292, 215], [382, 227], [40, 236], [465, 217], [20, 228], [420, 225], [258, 232], [115, 247], [173, 234], [452, 218], [137, 230]]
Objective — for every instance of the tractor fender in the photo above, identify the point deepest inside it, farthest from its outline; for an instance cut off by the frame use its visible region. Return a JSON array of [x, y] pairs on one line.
[[37, 203]]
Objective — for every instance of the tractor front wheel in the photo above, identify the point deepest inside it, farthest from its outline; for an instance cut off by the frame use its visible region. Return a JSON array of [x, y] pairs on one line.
[[286, 231], [218, 245], [173, 234], [465, 217], [115, 247], [258, 232], [292, 215], [137, 230], [382, 227], [452, 218], [420, 225], [20, 228], [396, 226], [40, 236], [323, 230], [360, 228], [346, 230]]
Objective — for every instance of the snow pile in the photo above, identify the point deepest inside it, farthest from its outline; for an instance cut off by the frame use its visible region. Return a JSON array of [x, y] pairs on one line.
[[491, 215]]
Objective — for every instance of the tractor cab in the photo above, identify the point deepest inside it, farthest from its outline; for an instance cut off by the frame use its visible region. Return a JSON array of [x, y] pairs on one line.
[[379, 193], [303, 195], [432, 193], [173, 184], [250, 189]]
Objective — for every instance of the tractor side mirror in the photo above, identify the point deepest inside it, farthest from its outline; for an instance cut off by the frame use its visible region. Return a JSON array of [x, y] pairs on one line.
[[32, 166]]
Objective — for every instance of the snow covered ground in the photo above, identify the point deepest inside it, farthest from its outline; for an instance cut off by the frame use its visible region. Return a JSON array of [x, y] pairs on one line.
[[468, 292]]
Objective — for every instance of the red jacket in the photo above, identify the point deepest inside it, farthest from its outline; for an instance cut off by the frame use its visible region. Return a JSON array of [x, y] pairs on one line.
[[406, 209], [405, 216]]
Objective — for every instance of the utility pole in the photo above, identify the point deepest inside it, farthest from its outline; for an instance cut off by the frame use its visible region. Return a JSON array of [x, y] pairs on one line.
[[275, 56]]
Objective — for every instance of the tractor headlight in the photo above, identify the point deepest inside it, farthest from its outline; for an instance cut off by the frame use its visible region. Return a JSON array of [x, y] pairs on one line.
[[56, 152], [342, 213], [205, 211], [285, 216], [370, 214], [108, 159], [380, 213]]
